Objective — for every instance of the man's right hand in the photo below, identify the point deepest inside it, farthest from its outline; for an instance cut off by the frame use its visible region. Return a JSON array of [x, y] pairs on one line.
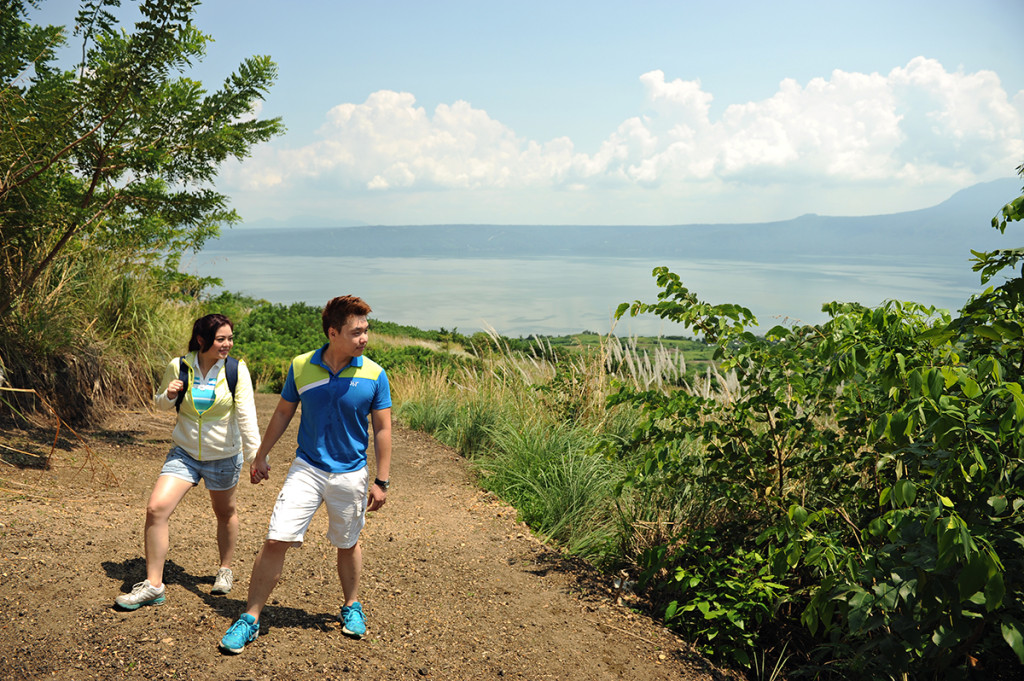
[[259, 471]]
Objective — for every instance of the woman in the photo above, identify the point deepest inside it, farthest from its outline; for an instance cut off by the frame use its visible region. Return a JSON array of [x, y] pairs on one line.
[[213, 431]]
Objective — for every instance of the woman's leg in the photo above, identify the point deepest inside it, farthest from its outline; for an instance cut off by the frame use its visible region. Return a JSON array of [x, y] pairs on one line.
[[167, 493], [227, 523]]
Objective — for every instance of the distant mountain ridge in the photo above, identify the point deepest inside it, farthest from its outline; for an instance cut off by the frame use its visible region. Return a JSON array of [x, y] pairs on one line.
[[951, 228]]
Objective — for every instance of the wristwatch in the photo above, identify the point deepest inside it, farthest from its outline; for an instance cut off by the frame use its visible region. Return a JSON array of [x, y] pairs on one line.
[[383, 484]]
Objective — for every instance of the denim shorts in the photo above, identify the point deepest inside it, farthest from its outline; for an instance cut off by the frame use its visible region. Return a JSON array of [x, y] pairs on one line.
[[220, 474]]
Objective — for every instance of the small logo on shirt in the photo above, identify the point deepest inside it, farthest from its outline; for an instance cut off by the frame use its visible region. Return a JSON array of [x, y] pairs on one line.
[[354, 382]]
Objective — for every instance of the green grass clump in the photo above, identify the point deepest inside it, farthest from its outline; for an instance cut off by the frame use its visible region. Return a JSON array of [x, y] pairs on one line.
[[561, 489], [93, 333], [533, 421]]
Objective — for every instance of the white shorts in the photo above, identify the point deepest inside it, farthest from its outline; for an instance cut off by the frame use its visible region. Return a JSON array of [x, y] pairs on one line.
[[305, 488]]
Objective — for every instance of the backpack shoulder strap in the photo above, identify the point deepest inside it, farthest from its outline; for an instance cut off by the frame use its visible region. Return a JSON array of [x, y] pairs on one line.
[[183, 377], [231, 373]]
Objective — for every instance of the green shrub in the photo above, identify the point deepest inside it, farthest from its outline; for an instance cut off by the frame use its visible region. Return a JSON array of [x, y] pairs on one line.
[[723, 599], [271, 334], [874, 463]]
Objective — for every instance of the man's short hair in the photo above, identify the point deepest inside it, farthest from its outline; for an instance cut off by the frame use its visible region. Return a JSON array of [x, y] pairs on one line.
[[338, 310]]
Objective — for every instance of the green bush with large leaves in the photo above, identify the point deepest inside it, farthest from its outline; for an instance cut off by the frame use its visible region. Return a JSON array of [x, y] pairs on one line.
[[871, 463]]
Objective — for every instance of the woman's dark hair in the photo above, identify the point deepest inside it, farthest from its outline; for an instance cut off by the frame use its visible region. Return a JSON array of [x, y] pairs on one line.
[[205, 330]]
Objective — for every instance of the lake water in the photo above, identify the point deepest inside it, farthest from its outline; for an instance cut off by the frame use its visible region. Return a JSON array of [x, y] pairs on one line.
[[563, 295]]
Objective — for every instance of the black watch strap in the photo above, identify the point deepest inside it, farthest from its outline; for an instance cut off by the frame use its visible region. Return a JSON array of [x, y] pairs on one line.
[[383, 484]]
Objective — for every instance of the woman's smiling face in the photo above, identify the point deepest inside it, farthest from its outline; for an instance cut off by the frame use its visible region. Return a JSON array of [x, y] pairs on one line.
[[223, 340]]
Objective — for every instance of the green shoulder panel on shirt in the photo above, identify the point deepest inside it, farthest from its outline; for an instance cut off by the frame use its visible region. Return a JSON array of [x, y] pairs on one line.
[[370, 370], [307, 373]]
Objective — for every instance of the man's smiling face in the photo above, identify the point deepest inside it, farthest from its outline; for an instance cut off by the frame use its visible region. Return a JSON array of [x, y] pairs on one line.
[[352, 338]]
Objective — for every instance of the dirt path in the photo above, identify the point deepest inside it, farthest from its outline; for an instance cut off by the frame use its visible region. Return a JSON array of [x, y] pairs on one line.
[[453, 586]]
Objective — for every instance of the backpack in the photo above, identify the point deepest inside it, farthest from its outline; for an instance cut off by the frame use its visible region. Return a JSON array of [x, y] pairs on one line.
[[230, 373]]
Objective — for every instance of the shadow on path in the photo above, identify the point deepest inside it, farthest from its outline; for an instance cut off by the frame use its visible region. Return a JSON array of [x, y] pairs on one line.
[[133, 570]]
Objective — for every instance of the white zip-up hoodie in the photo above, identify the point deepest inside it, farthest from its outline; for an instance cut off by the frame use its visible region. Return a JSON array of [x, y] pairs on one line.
[[227, 427]]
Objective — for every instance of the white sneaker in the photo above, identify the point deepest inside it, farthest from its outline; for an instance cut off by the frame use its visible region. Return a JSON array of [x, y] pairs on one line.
[[225, 580], [142, 594]]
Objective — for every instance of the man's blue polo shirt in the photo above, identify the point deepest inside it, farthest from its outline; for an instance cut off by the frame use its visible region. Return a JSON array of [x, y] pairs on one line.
[[333, 429]]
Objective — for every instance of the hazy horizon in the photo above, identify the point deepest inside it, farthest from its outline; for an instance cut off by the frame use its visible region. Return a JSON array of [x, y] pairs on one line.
[[524, 280], [1004, 189]]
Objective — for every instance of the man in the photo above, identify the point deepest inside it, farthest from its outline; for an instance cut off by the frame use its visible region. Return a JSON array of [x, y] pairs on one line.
[[338, 389]]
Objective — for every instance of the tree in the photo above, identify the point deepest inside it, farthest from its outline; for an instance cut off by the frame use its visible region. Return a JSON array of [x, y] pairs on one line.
[[119, 153]]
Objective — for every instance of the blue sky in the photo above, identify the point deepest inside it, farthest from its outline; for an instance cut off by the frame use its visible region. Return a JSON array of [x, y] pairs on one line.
[[598, 112]]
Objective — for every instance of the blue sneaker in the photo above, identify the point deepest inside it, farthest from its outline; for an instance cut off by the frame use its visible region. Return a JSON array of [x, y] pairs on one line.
[[245, 630], [352, 621]]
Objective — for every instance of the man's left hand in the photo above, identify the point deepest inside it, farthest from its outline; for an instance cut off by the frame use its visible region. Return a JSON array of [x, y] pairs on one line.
[[377, 498]]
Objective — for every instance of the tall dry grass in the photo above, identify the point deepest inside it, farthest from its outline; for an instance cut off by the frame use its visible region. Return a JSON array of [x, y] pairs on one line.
[[93, 334], [533, 424]]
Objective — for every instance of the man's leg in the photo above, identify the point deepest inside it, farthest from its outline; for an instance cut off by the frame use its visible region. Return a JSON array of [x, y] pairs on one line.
[[298, 500], [350, 568], [266, 573], [346, 510]]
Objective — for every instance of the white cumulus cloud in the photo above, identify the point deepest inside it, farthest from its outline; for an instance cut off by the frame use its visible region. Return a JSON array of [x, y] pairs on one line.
[[918, 123]]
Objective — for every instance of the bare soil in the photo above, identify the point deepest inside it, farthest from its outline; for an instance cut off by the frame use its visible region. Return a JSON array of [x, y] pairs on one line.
[[453, 586]]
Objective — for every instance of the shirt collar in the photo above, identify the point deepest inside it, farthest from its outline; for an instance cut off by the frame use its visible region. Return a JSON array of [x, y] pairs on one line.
[[215, 369], [318, 359]]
